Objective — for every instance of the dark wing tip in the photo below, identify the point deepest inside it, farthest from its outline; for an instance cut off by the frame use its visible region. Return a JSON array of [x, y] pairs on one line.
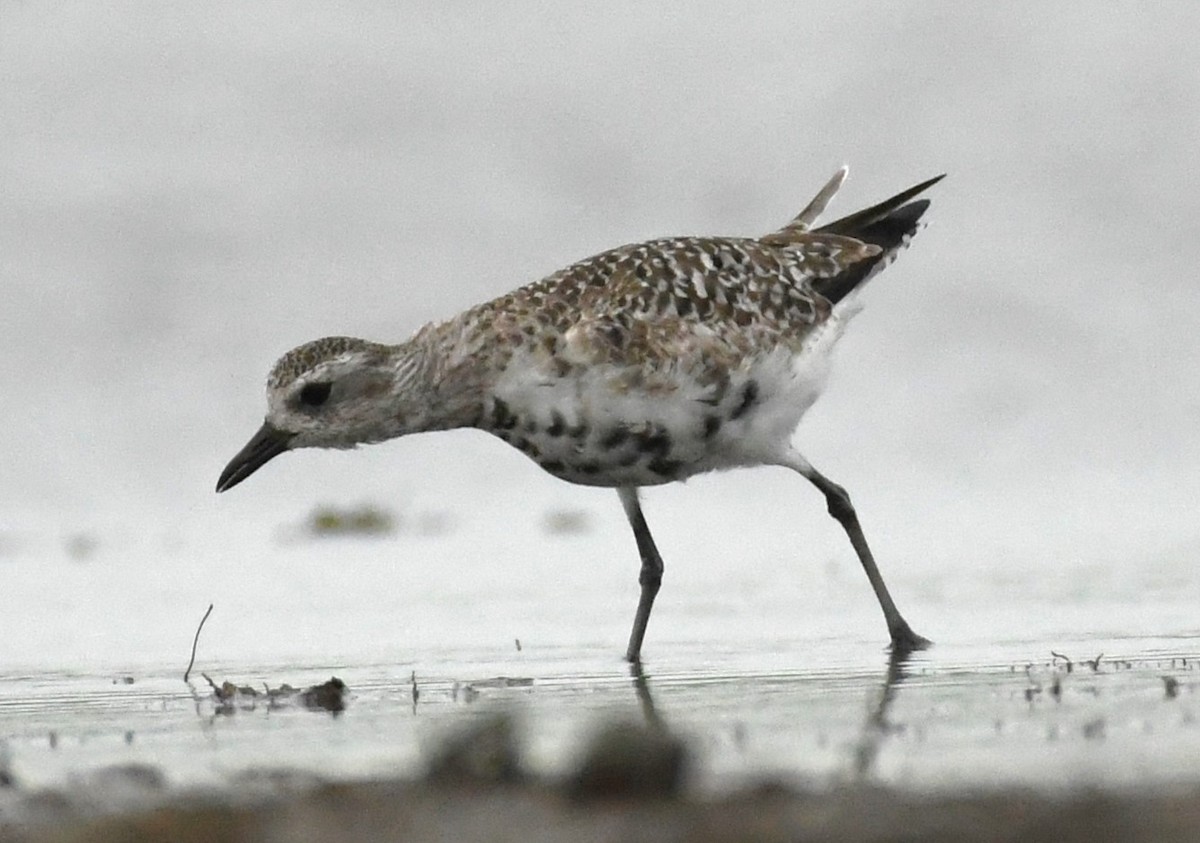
[[888, 225], [857, 221]]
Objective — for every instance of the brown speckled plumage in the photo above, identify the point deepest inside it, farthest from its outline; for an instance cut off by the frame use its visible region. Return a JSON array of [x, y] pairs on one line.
[[644, 303], [303, 358]]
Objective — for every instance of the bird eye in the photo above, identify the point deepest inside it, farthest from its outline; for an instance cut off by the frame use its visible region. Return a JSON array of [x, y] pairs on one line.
[[315, 394]]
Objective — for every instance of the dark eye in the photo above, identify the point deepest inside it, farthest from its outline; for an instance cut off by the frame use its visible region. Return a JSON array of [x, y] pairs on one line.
[[315, 394]]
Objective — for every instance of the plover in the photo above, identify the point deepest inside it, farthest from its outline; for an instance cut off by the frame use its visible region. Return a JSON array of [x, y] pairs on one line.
[[643, 365]]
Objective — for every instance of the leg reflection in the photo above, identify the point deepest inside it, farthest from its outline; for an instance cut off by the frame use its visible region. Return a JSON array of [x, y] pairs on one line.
[[877, 727], [642, 688]]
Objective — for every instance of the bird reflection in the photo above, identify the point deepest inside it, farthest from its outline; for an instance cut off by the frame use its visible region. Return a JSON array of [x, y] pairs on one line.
[[876, 727], [642, 688]]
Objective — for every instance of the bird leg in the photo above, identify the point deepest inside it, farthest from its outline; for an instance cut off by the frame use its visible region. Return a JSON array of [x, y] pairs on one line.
[[904, 640], [650, 577]]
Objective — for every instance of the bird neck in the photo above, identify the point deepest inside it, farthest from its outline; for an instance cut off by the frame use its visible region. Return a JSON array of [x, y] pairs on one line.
[[437, 371]]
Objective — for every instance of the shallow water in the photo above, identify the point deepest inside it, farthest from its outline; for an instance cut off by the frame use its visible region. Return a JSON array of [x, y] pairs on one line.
[[783, 672]]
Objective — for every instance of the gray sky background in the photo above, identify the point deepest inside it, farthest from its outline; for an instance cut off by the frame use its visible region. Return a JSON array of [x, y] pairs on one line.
[[190, 189]]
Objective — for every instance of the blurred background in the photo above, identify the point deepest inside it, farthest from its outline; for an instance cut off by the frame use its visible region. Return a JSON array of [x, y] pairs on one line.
[[188, 190]]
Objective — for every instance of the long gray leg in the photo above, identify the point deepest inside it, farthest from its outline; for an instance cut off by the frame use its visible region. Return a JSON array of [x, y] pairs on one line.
[[650, 577], [903, 638]]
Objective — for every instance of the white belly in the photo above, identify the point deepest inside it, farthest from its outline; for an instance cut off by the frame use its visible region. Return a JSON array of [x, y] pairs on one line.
[[587, 429]]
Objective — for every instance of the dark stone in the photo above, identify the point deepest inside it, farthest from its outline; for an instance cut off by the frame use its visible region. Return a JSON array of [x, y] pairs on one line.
[[484, 752], [328, 696], [627, 761]]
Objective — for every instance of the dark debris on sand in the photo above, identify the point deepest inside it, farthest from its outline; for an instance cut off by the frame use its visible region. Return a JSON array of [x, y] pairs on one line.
[[328, 696]]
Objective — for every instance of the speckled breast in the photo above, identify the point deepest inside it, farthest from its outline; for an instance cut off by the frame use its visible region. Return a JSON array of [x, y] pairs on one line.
[[606, 451]]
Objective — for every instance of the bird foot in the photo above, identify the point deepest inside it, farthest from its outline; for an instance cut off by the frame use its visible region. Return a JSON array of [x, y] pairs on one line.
[[905, 641]]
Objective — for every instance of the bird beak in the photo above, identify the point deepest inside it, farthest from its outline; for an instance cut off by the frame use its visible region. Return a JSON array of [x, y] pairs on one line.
[[265, 445]]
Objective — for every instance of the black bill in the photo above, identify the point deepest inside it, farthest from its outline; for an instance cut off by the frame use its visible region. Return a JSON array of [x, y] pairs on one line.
[[264, 446]]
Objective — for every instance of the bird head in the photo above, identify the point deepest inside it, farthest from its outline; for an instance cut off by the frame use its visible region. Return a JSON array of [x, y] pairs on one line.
[[336, 392]]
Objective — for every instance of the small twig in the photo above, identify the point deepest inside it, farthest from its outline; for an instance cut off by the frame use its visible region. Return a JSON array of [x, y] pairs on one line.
[[221, 692], [196, 641]]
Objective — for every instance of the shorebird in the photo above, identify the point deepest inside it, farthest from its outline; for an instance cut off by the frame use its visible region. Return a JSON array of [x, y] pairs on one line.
[[639, 366]]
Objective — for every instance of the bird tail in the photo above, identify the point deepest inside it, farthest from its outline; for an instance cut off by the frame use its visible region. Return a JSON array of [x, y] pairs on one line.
[[886, 228], [890, 225]]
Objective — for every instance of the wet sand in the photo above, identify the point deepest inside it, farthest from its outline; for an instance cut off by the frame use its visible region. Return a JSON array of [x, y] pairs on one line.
[[768, 712], [422, 811], [1099, 748], [636, 778]]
